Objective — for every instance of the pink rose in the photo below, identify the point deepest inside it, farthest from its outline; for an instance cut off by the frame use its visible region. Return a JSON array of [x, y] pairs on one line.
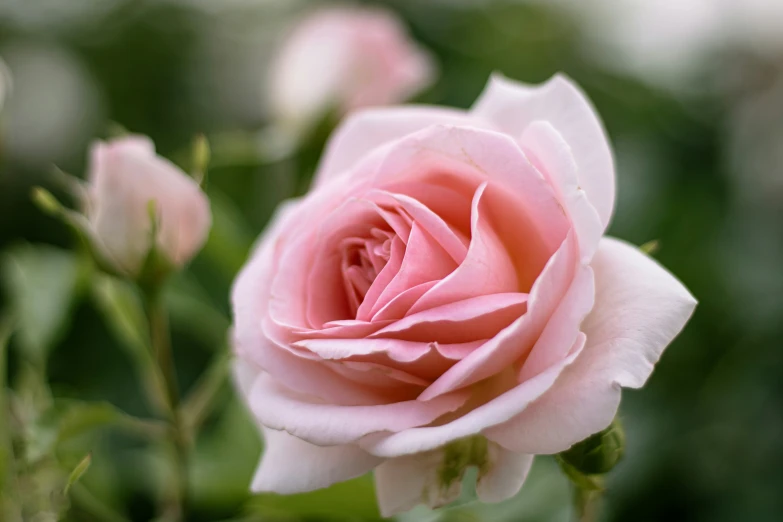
[[342, 59], [444, 296], [125, 175]]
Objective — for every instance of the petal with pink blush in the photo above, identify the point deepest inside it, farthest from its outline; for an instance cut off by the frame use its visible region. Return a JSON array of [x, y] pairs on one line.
[[640, 308], [382, 281], [551, 154], [400, 304], [290, 465], [495, 411], [474, 277], [328, 424], [511, 106], [368, 129], [469, 156], [424, 261], [400, 385], [346, 329], [467, 320], [515, 341], [250, 296], [426, 365], [563, 325], [435, 226]]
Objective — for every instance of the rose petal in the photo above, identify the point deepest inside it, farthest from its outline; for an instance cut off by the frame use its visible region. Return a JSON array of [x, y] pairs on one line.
[[640, 308], [424, 261], [250, 299], [497, 411], [291, 465], [382, 281], [512, 106], [467, 320], [329, 424], [434, 225], [365, 130], [514, 342], [403, 483], [552, 155], [473, 277], [506, 473], [563, 325], [399, 306]]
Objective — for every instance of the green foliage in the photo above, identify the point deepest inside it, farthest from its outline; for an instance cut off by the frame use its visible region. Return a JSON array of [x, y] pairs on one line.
[[42, 283]]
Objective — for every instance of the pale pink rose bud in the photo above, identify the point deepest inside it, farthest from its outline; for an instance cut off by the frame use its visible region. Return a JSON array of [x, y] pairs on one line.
[[340, 59], [125, 176], [444, 297]]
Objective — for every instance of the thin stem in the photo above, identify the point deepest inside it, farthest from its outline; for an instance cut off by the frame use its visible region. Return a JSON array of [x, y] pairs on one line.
[[94, 505], [586, 504], [173, 508]]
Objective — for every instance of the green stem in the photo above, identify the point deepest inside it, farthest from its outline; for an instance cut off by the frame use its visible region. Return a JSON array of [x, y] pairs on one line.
[[173, 508], [94, 505], [586, 504]]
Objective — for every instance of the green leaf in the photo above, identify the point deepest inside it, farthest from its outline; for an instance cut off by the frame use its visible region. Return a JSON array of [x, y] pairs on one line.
[[78, 471], [67, 419], [42, 284]]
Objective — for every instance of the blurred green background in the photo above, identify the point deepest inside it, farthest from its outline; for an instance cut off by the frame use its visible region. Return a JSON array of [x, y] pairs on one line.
[[693, 102]]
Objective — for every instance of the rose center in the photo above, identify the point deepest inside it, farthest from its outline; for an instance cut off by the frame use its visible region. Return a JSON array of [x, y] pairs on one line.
[[362, 259]]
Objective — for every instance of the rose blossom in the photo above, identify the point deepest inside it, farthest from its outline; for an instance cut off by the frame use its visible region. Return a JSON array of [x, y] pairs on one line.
[[343, 58], [447, 277], [125, 175]]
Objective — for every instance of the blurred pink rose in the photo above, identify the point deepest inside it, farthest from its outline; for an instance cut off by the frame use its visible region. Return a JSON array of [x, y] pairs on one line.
[[125, 175], [447, 277], [342, 59]]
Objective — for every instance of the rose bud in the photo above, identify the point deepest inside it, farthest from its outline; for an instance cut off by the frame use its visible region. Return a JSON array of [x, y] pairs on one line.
[[342, 58], [445, 297], [132, 194]]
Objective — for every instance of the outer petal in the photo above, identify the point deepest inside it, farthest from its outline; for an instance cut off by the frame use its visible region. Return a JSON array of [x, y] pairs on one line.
[[328, 424], [403, 483], [290, 465], [497, 411], [368, 129], [512, 106], [552, 155], [640, 308], [506, 473]]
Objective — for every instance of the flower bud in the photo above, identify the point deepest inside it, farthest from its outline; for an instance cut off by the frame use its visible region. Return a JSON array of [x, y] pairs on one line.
[[340, 59], [598, 453], [140, 204]]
